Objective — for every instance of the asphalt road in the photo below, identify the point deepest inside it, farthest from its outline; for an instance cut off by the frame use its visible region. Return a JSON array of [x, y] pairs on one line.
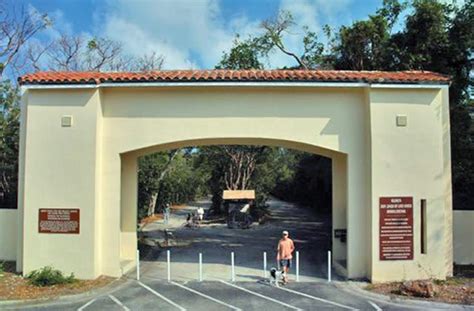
[[151, 294], [311, 233]]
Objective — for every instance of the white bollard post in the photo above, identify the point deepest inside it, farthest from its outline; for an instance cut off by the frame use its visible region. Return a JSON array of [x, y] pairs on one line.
[[329, 266], [233, 268], [138, 265], [168, 259], [297, 266], [200, 267], [265, 264]]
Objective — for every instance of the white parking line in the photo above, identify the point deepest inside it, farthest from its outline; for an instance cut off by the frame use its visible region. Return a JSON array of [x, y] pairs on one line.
[[86, 305], [374, 305], [261, 296], [161, 296], [316, 298], [119, 302], [206, 296]]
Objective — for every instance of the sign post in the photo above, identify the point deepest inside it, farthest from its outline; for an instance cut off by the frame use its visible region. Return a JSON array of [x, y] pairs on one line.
[[265, 264], [396, 228]]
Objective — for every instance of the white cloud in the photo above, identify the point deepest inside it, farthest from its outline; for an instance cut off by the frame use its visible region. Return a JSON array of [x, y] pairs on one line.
[[137, 41], [194, 33], [180, 30]]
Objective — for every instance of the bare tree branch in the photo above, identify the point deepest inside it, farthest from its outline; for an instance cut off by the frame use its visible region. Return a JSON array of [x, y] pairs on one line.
[[65, 53], [148, 62], [35, 53], [16, 28], [102, 52], [274, 29]]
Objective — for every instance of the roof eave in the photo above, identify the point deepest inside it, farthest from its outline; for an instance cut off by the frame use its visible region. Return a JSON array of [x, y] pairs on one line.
[[222, 83]]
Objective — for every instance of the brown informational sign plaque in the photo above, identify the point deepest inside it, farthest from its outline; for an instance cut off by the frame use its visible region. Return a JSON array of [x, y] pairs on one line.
[[396, 228], [59, 220]]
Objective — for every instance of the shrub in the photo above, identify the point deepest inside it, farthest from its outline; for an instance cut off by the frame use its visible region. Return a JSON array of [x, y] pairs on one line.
[[48, 276], [2, 268]]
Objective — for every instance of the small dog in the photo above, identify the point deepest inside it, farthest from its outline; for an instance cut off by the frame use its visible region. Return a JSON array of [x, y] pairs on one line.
[[276, 276]]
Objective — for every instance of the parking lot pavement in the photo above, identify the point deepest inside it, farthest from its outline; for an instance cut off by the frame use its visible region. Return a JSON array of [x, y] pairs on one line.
[[154, 294]]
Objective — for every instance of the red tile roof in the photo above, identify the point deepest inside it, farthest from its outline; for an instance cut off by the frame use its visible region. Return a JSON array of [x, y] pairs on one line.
[[399, 77]]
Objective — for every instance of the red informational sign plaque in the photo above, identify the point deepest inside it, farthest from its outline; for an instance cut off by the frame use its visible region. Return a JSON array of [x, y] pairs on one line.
[[56, 220], [396, 228]]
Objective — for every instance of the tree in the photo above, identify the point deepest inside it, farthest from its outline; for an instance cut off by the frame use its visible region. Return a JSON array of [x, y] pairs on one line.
[[243, 55], [17, 27], [148, 62], [364, 45], [65, 54], [247, 54], [9, 143], [174, 176], [152, 170], [423, 44], [75, 53], [103, 54], [242, 161], [273, 38]]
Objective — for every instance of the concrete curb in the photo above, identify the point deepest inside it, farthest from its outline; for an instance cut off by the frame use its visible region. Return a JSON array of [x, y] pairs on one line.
[[355, 288], [67, 299]]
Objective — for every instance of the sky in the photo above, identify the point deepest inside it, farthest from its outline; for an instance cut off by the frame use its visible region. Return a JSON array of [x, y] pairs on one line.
[[192, 34]]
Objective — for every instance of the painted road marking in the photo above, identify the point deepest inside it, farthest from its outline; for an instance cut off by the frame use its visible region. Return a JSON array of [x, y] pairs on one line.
[[375, 306], [316, 298], [261, 296], [206, 296], [87, 304], [161, 296], [119, 302]]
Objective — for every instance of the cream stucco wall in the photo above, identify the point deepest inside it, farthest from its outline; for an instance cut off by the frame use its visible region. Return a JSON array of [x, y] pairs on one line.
[[92, 165], [463, 226], [60, 168], [409, 161], [8, 234]]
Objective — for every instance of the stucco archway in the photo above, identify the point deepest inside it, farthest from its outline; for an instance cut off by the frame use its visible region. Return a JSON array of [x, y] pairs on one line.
[[80, 132]]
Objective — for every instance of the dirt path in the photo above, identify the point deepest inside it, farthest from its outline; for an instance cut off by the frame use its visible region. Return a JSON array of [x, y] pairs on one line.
[[310, 232]]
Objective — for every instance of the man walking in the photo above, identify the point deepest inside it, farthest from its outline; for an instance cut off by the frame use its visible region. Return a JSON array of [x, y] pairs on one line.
[[285, 254]]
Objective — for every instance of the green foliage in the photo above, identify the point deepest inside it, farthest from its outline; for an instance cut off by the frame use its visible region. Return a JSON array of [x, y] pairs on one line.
[[9, 143], [277, 167], [364, 45], [310, 183], [313, 50], [48, 276], [2, 268], [243, 55], [248, 54], [174, 177], [150, 168]]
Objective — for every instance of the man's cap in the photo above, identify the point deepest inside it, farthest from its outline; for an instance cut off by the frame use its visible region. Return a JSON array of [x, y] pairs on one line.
[[285, 232]]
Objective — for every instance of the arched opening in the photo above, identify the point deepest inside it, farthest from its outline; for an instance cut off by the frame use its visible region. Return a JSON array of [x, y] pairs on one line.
[[252, 258]]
